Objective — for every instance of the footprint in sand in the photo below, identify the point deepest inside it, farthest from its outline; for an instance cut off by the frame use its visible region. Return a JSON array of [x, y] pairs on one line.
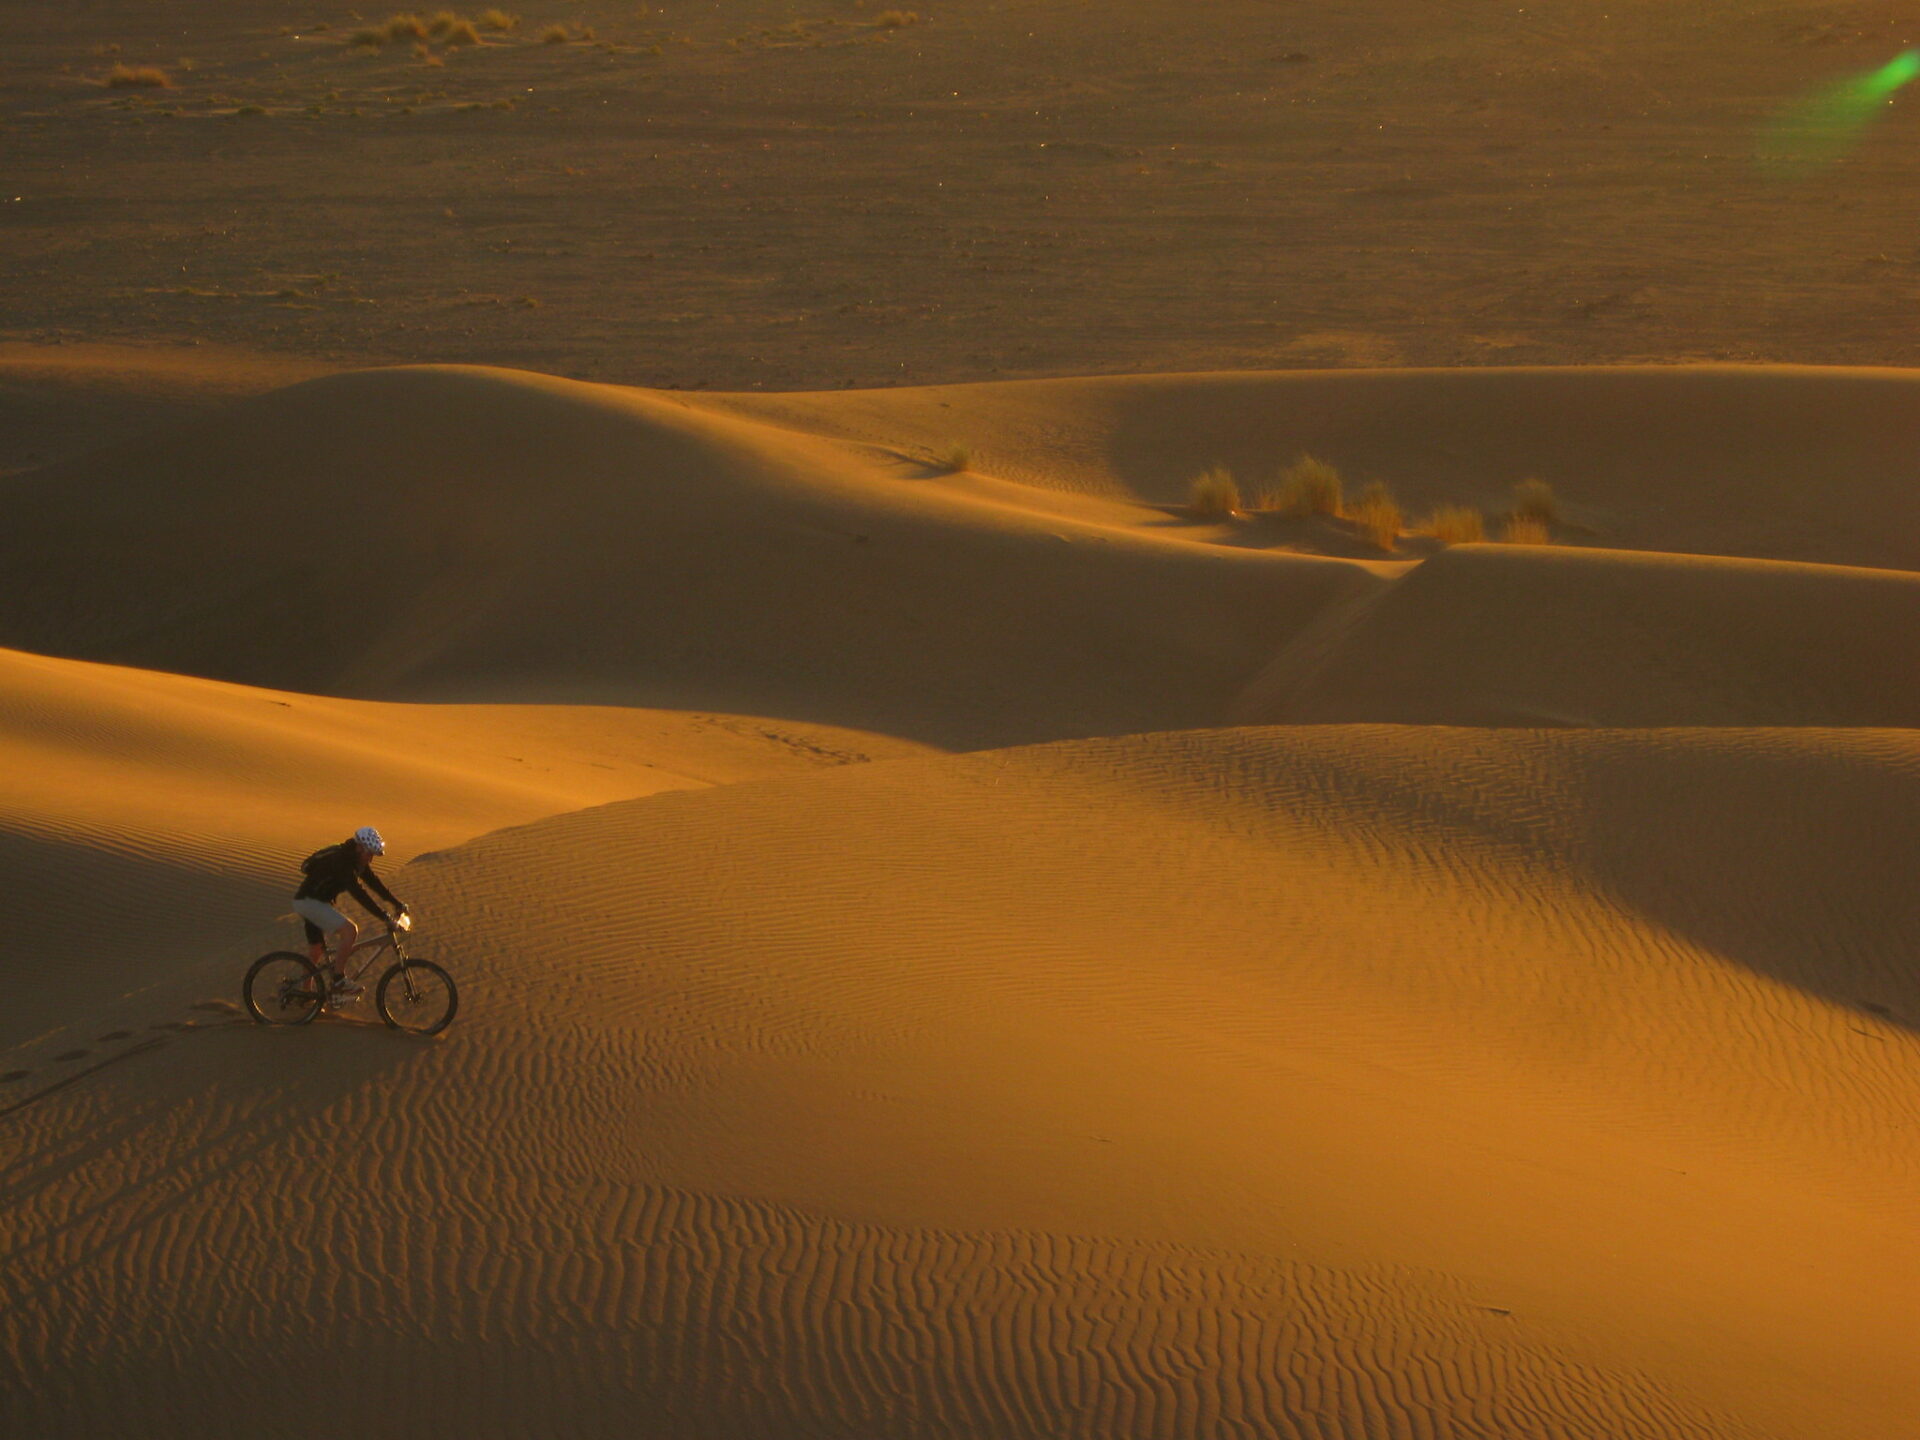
[[71, 1055], [113, 1035]]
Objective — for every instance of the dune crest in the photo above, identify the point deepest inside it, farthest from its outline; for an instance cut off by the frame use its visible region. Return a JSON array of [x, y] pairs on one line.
[[518, 537]]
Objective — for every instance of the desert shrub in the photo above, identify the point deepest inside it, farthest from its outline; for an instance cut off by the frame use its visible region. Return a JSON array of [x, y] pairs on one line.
[[555, 35], [1456, 525], [403, 27], [1215, 492], [462, 32], [497, 20], [137, 77], [1377, 516], [1535, 500], [368, 39], [1524, 530], [1307, 487], [956, 459], [441, 22], [896, 19]]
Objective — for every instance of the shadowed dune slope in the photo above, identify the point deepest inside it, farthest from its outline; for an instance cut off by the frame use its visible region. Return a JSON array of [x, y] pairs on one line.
[[1776, 462], [146, 818], [1524, 635], [475, 534], [1272, 1083]]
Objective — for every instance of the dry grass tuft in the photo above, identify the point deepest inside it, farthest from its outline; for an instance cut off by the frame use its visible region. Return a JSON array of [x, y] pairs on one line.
[[138, 77], [1307, 487], [1535, 500], [403, 27], [1456, 525], [955, 459], [462, 32], [1214, 493], [1377, 516], [896, 19], [441, 22], [368, 39], [555, 35], [1524, 530], [498, 20]]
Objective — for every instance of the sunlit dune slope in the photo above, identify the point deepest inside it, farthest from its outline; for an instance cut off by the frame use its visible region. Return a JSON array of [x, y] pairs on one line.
[[146, 819], [1274, 1083], [476, 534], [1776, 462], [1524, 635]]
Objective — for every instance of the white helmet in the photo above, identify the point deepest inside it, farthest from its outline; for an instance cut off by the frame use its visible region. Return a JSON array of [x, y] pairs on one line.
[[370, 837]]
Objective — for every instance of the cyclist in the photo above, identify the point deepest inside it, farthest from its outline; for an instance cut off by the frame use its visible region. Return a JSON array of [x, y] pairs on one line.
[[340, 867]]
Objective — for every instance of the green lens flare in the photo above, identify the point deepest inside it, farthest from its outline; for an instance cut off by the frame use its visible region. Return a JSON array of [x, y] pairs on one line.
[[1822, 128]]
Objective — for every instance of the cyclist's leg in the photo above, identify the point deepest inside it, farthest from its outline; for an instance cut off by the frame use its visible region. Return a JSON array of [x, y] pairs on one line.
[[344, 939], [321, 920]]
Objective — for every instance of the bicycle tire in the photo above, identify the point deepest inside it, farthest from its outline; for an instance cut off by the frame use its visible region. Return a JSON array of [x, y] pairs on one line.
[[274, 1001], [403, 1013]]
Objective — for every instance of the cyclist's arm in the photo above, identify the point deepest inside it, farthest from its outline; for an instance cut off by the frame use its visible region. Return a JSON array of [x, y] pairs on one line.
[[359, 892], [375, 881]]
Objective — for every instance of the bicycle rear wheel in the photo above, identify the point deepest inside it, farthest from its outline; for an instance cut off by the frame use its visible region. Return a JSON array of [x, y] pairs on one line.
[[418, 997], [283, 989]]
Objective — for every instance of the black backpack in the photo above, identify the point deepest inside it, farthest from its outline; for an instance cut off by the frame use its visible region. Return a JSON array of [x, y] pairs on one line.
[[307, 865]]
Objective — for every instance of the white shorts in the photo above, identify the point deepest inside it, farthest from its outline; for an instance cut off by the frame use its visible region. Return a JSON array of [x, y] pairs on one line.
[[321, 914]]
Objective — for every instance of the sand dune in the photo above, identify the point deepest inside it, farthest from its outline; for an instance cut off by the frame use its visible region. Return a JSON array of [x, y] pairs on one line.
[[476, 534], [149, 819], [1774, 462], [1296, 1082], [1504, 1075], [1524, 635], [484, 535]]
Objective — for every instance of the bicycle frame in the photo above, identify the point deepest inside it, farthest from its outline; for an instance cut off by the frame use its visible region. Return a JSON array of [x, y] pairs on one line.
[[391, 937]]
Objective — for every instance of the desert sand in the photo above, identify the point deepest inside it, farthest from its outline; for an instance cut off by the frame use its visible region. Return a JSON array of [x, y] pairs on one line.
[[1536, 1063], [953, 943]]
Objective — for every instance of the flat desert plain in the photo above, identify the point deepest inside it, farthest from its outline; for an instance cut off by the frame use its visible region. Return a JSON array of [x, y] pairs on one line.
[[966, 929]]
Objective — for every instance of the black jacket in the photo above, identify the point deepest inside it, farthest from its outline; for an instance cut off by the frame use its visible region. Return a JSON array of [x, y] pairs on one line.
[[339, 867]]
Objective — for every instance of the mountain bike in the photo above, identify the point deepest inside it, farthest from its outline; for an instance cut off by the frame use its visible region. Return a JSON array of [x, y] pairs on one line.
[[417, 996]]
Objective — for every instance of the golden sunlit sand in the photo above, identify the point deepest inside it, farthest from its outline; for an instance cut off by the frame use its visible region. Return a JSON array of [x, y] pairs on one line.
[[980, 913], [1400, 1080]]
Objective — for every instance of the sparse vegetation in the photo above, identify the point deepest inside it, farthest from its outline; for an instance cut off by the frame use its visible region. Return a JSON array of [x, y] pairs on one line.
[[403, 27], [1377, 516], [367, 39], [462, 32], [555, 35], [1307, 487], [1535, 500], [138, 77], [1456, 525], [1214, 493], [497, 20], [896, 19], [441, 22], [955, 459], [1523, 530]]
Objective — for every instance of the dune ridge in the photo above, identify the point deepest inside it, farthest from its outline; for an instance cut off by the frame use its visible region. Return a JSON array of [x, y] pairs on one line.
[[512, 536], [1526, 635], [150, 818]]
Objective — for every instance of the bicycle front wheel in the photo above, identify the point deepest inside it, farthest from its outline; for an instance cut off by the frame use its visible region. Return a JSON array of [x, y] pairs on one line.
[[417, 996], [283, 989]]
